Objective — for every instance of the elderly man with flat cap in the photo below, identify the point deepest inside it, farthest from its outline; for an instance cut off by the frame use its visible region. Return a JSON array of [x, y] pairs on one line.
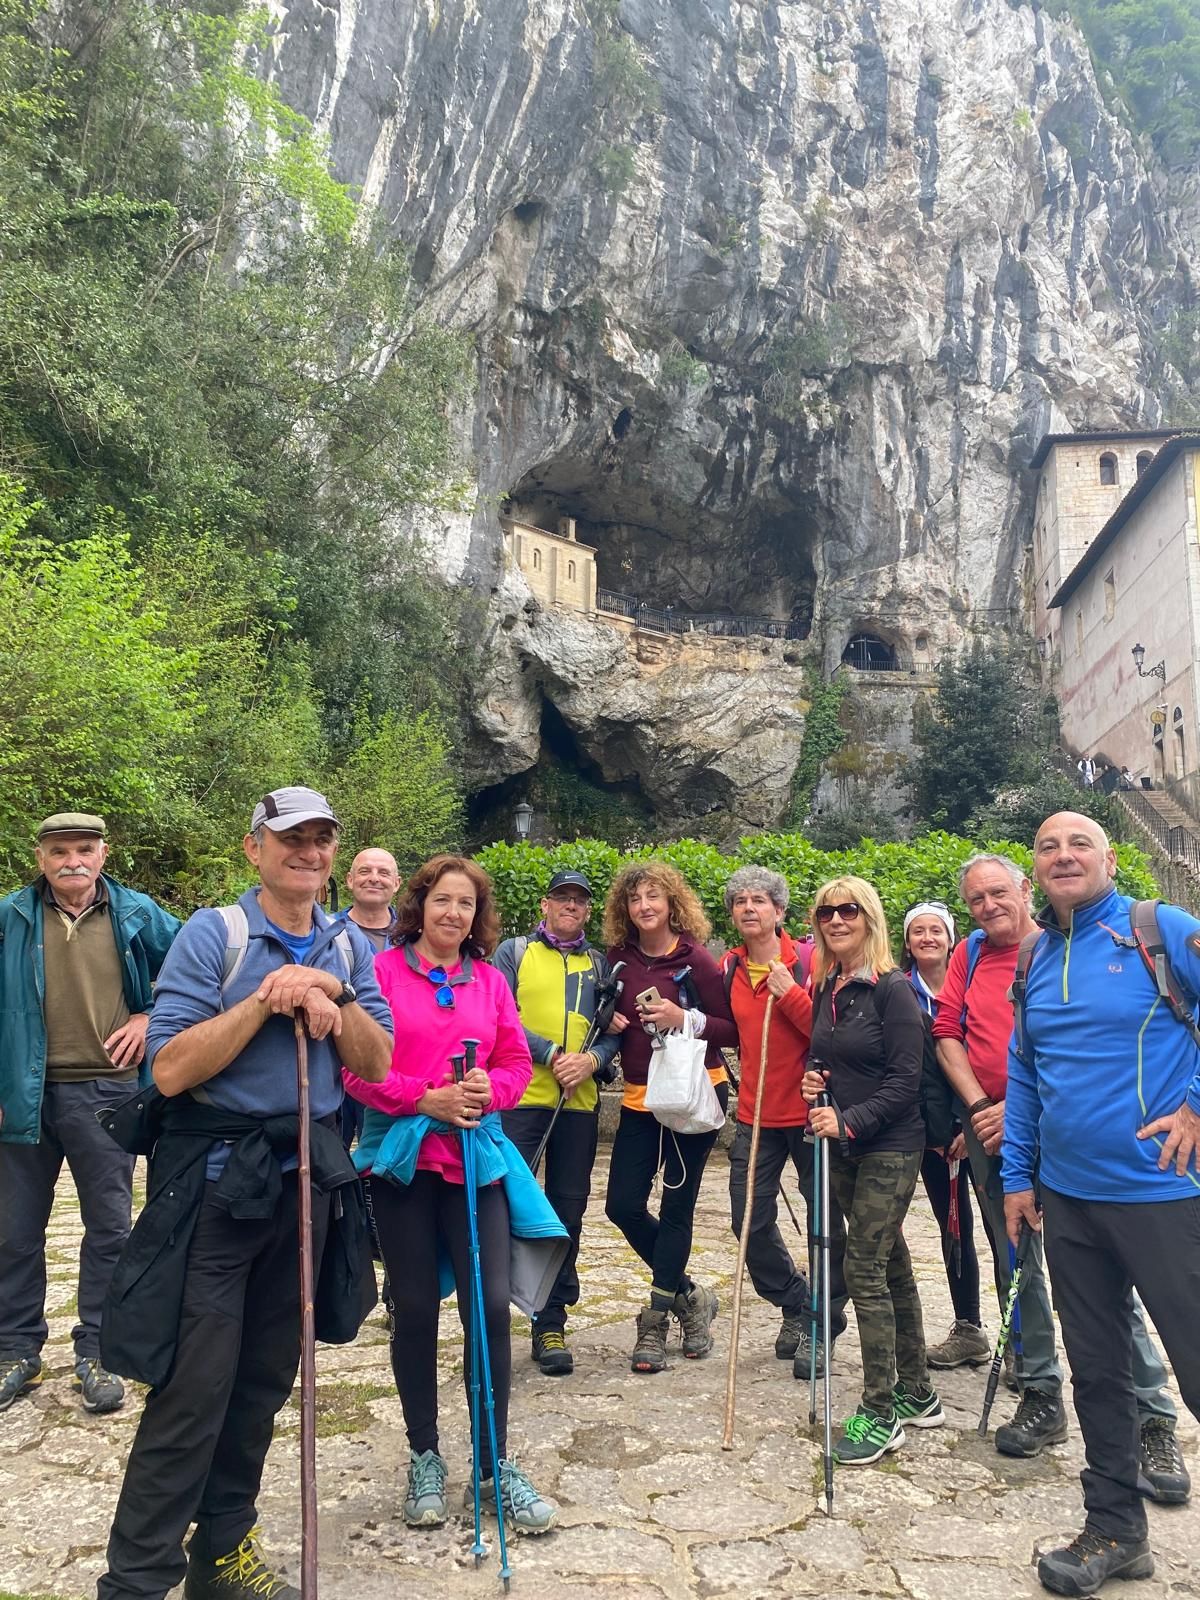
[[79, 953]]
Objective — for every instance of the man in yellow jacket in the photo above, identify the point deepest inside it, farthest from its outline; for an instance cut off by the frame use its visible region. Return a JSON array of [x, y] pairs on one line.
[[557, 978]]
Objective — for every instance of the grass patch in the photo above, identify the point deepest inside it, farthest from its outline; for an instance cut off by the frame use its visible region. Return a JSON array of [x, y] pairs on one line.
[[343, 1408]]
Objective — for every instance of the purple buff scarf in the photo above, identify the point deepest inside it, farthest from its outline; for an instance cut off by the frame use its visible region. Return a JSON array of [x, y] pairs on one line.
[[579, 942]]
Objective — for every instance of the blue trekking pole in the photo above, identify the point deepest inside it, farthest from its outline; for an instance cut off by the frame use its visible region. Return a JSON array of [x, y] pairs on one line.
[[481, 1362]]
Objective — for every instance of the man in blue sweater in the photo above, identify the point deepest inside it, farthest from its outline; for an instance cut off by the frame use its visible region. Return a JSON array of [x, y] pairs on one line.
[[1106, 1082]]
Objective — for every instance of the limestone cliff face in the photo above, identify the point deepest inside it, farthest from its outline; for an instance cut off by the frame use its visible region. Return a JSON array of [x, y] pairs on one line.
[[864, 256]]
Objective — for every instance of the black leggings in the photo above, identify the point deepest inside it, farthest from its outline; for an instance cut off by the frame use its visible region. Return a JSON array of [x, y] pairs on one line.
[[416, 1222], [663, 1242], [964, 1285]]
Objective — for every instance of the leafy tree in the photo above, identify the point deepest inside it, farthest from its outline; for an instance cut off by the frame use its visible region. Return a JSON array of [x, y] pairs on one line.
[[1017, 813], [982, 732], [395, 789]]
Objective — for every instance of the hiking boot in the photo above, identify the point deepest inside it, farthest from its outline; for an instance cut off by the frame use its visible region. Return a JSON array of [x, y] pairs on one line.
[[788, 1337], [867, 1437], [240, 1575], [18, 1374], [1162, 1476], [650, 1351], [1040, 1420], [965, 1345], [802, 1364], [551, 1353], [1090, 1560], [102, 1391], [696, 1311], [524, 1509], [919, 1407], [425, 1496]]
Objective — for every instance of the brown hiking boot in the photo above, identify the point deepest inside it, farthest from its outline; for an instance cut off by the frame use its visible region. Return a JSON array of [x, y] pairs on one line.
[[964, 1345], [696, 1311], [650, 1351]]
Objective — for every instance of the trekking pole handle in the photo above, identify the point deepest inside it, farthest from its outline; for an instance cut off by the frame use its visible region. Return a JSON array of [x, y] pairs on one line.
[[456, 1066], [470, 1046]]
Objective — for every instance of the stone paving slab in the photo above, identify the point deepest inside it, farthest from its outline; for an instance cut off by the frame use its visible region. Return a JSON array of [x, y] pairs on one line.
[[651, 1507]]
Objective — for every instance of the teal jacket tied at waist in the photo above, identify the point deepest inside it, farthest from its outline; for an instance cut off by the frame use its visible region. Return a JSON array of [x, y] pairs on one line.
[[143, 932], [389, 1148]]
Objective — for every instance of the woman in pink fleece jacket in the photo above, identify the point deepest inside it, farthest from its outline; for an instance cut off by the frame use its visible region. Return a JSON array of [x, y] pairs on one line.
[[441, 992]]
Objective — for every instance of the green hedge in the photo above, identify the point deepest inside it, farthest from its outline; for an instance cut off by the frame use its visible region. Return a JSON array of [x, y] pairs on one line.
[[923, 869]]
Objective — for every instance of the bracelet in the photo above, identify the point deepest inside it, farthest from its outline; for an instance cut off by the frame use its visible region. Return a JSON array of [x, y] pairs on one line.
[[980, 1105]]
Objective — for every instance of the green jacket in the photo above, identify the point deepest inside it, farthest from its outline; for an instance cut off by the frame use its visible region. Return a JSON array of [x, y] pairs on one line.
[[143, 931]]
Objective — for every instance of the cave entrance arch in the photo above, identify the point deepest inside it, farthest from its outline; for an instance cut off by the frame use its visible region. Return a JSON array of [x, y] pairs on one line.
[[867, 652]]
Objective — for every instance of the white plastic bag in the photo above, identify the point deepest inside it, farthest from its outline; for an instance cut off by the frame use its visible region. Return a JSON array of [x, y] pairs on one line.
[[679, 1091]]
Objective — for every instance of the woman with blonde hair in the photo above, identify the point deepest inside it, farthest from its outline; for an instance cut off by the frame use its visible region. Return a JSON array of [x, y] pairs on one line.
[[654, 923], [866, 1053]]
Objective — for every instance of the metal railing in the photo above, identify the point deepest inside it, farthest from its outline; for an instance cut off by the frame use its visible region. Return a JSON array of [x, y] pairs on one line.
[[1178, 843], [665, 619]]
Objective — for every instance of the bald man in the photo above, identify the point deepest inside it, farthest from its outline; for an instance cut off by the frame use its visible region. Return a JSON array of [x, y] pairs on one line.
[[1106, 1081], [373, 882]]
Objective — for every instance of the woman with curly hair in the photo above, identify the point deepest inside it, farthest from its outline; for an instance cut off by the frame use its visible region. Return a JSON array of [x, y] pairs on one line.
[[441, 992], [654, 923], [867, 1046]]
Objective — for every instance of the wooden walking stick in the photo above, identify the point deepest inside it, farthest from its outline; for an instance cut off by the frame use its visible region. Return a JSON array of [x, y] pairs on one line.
[[308, 1338], [744, 1240]]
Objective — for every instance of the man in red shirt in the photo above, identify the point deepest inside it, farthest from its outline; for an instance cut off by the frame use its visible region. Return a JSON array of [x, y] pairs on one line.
[[972, 1028], [770, 963]]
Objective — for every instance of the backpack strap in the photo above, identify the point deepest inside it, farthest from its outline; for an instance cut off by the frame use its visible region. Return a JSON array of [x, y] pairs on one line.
[[728, 972], [520, 946], [1147, 935], [975, 940], [237, 937], [1020, 984]]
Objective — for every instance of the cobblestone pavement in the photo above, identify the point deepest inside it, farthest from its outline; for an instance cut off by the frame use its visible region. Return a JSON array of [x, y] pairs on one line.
[[651, 1508]]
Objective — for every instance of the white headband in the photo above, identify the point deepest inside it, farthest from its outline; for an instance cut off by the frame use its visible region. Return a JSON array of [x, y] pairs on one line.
[[931, 908]]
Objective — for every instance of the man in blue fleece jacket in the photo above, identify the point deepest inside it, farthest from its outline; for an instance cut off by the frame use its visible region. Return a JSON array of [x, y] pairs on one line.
[[1107, 1085]]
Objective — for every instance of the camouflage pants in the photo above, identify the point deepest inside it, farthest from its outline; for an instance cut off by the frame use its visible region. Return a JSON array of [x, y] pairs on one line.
[[874, 1192]]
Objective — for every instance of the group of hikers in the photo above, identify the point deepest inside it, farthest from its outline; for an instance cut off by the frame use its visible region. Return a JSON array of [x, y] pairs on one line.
[[1048, 1066]]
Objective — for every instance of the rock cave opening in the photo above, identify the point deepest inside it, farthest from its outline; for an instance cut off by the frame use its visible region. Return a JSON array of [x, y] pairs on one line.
[[655, 551], [568, 791]]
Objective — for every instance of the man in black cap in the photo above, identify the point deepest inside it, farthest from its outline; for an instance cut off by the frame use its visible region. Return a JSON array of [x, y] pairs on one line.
[[78, 955], [558, 980], [210, 1318]]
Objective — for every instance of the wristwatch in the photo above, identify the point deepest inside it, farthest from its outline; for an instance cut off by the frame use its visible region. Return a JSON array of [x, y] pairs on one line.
[[349, 993]]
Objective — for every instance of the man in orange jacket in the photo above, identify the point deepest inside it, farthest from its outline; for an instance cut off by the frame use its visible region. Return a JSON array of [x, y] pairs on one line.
[[771, 963]]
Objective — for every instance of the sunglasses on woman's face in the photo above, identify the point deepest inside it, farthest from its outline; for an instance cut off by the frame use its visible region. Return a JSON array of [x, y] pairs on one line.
[[445, 994], [848, 911]]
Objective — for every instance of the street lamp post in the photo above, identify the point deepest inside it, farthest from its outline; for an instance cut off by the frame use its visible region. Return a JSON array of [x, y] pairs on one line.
[[1158, 670], [523, 819]]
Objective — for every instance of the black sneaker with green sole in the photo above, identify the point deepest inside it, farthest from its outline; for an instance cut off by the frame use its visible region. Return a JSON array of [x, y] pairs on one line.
[[551, 1353]]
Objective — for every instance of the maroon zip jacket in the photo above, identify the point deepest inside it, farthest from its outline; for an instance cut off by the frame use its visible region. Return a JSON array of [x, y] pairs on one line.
[[655, 972]]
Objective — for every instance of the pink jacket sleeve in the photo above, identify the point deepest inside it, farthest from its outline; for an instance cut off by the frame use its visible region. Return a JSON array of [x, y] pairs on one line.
[[398, 1094], [510, 1065]]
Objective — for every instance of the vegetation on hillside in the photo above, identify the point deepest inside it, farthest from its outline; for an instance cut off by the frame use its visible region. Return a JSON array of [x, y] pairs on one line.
[[216, 397]]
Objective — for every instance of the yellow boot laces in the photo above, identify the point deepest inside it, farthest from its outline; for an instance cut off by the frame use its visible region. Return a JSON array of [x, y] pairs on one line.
[[244, 1568]]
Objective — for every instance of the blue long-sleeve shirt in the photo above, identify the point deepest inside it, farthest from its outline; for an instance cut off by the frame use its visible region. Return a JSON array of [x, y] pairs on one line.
[[1103, 1056]]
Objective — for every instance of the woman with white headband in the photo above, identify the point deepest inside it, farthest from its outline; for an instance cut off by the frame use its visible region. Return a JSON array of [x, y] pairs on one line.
[[929, 937]]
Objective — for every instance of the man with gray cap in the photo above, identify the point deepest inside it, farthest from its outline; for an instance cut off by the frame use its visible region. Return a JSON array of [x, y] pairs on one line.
[[217, 1335], [557, 979], [79, 953]]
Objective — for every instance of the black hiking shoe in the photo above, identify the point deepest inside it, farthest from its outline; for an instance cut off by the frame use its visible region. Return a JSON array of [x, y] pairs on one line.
[[802, 1362], [788, 1337], [242, 1574], [1090, 1560], [1162, 1476], [697, 1311], [1040, 1420], [551, 1353], [18, 1374], [650, 1351], [102, 1391]]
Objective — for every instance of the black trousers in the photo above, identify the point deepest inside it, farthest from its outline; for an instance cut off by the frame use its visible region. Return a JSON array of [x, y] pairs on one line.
[[768, 1259], [103, 1175], [641, 1146], [414, 1223], [1098, 1253], [200, 1446], [570, 1156], [964, 1285]]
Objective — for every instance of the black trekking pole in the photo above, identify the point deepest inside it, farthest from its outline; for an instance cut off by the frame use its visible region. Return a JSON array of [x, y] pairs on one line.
[[607, 997], [1024, 1240], [822, 1241], [481, 1361]]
